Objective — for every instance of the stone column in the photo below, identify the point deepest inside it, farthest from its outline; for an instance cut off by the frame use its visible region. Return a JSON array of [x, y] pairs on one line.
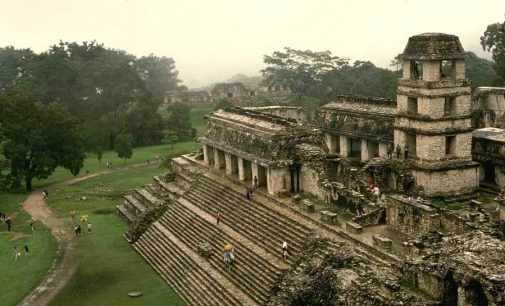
[[217, 159], [241, 173], [331, 143], [255, 172], [279, 179], [364, 150], [383, 150], [344, 146], [205, 154], [228, 166]]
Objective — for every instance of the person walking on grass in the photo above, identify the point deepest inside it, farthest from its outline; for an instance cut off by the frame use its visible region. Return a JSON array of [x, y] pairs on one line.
[[27, 251], [17, 253], [8, 222], [89, 227], [77, 229], [32, 225]]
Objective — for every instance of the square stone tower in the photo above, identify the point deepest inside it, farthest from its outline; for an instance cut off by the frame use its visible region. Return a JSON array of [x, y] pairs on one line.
[[434, 113]]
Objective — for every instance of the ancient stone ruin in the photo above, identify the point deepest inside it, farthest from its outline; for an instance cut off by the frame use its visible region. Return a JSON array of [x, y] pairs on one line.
[[380, 202]]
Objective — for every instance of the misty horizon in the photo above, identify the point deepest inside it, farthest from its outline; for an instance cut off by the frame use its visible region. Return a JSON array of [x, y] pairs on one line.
[[213, 41]]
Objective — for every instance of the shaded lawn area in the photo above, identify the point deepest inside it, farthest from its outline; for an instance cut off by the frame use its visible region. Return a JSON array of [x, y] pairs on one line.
[[108, 267], [140, 155], [18, 278]]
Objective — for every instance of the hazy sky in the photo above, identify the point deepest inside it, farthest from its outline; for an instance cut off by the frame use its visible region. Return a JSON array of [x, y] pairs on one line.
[[214, 39]]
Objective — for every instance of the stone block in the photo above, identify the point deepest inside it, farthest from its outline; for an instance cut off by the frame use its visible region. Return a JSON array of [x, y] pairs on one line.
[[353, 228], [383, 242], [329, 217], [308, 206], [204, 249]]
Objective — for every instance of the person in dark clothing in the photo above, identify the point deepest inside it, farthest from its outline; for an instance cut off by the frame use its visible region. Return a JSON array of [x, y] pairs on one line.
[[8, 221], [248, 193], [218, 217], [398, 151], [27, 251], [77, 230], [406, 152]]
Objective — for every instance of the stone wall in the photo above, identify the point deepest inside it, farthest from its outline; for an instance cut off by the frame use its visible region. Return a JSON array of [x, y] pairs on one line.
[[292, 112], [309, 182], [410, 217], [442, 183], [489, 103]]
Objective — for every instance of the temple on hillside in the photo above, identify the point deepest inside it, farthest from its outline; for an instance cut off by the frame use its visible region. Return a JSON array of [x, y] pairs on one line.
[[401, 200]]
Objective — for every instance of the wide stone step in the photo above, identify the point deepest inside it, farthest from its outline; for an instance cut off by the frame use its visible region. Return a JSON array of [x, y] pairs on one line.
[[250, 282], [215, 279], [254, 207], [254, 223], [260, 235], [220, 239], [209, 291], [186, 285], [257, 205], [133, 201], [217, 233], [216, 291]]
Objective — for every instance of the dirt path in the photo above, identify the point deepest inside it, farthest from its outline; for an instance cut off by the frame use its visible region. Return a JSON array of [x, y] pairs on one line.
[[65, 265]]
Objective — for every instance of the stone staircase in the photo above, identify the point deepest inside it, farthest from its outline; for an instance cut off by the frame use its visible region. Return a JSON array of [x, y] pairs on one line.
[[171, 245], [264, 226]]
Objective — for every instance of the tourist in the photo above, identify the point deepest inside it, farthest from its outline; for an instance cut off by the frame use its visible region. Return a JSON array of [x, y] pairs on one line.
[[27, 251], [255, 184], [248, 193], [285, 251], [32, 225], [398, 151], [390, 151], [406, 152], [376, 193], [89, 227], [45, 194], [8, 221], [218, 217], [17, 253], [77, 229]]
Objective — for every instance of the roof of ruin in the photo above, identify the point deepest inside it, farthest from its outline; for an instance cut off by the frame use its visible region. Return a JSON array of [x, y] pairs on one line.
[[262, 121], [433, 46], [273, 107], [490, 133], [484, 91], [371, 105]]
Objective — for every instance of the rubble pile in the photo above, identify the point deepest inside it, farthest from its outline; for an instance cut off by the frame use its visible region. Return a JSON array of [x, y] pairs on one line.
[[332, 273]]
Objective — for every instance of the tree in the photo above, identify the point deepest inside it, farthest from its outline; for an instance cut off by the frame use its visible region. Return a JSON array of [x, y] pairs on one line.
[[480, 71], [178, 120], [302, 71], [124, 146], [39, 138], [493, 40], [158, 73]]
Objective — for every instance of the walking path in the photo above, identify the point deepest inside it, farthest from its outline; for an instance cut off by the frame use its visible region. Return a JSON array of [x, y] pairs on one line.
[[65, 265]]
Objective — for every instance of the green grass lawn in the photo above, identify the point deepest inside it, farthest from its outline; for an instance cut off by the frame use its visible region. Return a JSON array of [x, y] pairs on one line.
[[18, 278], [108, 267], [140, 155]]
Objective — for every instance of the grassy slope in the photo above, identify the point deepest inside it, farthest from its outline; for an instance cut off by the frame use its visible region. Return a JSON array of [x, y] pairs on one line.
[[19, 278], [197, 120], [109, 268]]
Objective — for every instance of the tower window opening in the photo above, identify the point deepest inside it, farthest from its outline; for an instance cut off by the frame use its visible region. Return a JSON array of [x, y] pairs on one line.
[[449, 106], [447, 69], [416, 70], [450, 145], [412, 106]]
